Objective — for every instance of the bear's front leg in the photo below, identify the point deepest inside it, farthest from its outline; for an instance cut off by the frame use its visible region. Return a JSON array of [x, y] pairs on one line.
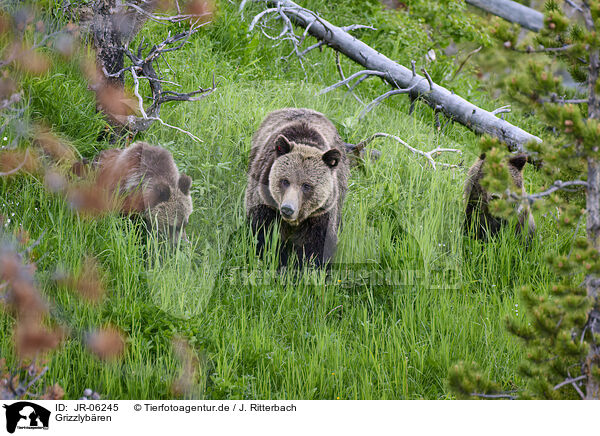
[[316, 241], [262, 218]]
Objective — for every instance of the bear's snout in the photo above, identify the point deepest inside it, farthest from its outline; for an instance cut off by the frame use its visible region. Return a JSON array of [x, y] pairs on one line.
[[289, 207], [287, 210]]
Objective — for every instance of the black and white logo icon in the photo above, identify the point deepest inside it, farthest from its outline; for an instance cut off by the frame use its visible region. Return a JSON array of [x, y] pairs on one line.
[[26, 415]]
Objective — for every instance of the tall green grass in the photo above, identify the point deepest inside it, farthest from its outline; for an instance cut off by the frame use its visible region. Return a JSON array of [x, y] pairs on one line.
[[408, 295]]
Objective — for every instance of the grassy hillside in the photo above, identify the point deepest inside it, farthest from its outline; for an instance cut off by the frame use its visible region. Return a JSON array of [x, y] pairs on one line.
[[408, 298]]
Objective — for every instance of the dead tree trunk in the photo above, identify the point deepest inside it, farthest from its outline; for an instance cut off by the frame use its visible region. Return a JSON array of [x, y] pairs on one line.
[[398, 76], [513, 12], [107, 40], [592, 362], [113, 25]]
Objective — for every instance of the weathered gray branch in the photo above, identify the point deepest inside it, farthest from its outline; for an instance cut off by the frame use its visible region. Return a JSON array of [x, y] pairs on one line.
[[429, 155], [398, 76], [146, 10], [513, 12], [556, 186], [494, 396], [569, 381], [343, 77]]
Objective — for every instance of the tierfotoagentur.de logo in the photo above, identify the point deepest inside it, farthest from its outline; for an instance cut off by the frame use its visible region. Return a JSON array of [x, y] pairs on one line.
[[26, 415]]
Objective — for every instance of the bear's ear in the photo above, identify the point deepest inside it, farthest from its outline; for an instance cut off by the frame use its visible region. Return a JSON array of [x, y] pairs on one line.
[[282, 145], [332, 158], [185, 182], [160, 192], [518, 161]]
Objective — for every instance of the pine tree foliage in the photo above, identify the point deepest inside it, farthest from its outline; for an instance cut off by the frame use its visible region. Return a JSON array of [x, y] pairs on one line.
[[561, 331]]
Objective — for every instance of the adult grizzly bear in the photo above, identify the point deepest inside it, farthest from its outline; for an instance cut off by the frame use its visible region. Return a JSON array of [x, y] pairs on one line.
[[479, 219], [148, 183], [297, 178]]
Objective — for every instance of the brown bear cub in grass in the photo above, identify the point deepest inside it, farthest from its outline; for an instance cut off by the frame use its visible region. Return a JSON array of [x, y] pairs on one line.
[[297, 179], [148, 183], [479, 221]]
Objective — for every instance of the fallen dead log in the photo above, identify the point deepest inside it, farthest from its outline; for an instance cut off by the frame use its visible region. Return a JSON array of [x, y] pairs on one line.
[[513, 12], [399, 77]]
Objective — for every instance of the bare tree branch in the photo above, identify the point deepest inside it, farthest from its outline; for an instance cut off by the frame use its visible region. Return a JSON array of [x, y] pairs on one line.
[[542, 49], [557, 185], [554, 98], [312, 47], [429, 155], [343, 77], [428, 77], [494, 396], [465, 60], [287, 31], [179, 129], [365, 73], [569, 381], [574, 5], [502, 110], [352, 27], [382, 97], [166, 19], [396, 75], [341, 306], [35, 379]]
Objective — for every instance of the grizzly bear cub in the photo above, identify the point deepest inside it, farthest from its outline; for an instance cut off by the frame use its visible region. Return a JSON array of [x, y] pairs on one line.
[[149, 184], [297, 179], [479, 221]]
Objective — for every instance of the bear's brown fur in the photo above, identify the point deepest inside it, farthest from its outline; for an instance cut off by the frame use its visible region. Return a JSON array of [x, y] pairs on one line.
[[149, 183], [479, 220], [297, 177]]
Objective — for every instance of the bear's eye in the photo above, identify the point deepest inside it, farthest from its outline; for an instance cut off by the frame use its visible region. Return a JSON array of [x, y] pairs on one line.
[[306, 187], [285, 183]]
